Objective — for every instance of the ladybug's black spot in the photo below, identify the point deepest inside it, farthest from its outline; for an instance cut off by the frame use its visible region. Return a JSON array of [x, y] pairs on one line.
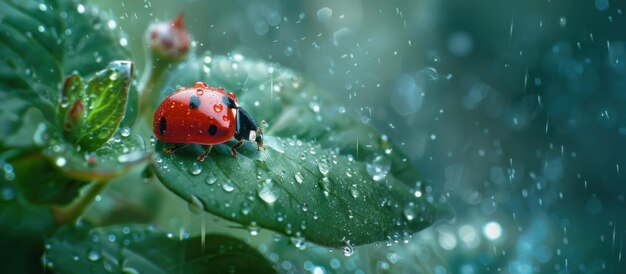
[[212, 130], [162, 125], [194, 102]]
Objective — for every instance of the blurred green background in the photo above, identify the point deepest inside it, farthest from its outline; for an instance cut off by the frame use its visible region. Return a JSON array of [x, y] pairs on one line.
[[514, 110]]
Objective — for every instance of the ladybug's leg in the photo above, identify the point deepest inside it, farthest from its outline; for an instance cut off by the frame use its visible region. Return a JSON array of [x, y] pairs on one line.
[[238, 144], [207, 150], [174, 148]]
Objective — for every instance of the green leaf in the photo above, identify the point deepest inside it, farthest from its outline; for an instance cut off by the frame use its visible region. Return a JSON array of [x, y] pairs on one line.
[[92, 111], [137, 249], [41, 41], [292, 106], [385, 181], [297, 188]]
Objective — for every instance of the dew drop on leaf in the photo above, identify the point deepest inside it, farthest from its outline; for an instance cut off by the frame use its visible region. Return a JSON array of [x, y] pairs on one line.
[[93, 255], [354, 191], [299, 177], [61, 161], [228, 186], [323, 167], [195, 169], [348, 249], [210, 179], [267, 193], [378, 168]]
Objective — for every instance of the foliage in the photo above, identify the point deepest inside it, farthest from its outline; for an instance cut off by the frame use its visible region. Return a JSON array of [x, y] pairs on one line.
[[67, 120]]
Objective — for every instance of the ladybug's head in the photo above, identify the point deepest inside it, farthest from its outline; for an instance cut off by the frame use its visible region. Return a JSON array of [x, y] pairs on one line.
[[247, 128]]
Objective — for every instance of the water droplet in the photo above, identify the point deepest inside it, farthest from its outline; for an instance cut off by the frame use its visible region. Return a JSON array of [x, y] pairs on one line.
[[41, 28], [302, 156], [324, 14], [80, 8], [378, 168], [228, 186], [111, 24], [93, 255], [299, 177], [123, 42], [43, 7], [409, 214], [195, 205], [563, 21], [125, 131], [132, 156], [61, 161], [314, 106], [225, 118], [354, 191], [218, 107], [267, 193], [199, 91], [210, 179], [348, 248], [253, 228], [323, 167], [324, 185], [103, 133], [195, 169]]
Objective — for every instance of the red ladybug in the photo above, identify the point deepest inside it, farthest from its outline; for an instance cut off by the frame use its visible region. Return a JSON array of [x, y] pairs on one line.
[[206, 116]]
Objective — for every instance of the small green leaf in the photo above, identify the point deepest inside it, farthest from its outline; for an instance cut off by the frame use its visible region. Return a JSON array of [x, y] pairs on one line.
[[298, 188], [104, 98], [137, 249]]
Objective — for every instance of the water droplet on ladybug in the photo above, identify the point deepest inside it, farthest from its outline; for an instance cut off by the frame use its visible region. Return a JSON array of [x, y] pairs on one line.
[[200, 91], [200, 85], [218, 107], [225, 118]]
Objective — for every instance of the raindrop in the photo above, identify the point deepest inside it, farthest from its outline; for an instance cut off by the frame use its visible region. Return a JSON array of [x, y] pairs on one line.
[[323, 167], [299, 177], [195, 169], [348, 248], [41, 28], [123, 42], [253, 228], [228, 186], [492, 230], [409, 214], [562, 21], [210, 179], [133, 156], [125, 131], [43, 7], [61, 161], [314, 106], [299, 242], [195, 205], [354, 191], [218, 107], [111, 24], [267, 193], [80, 8], [324, 14], [378, 168], [93, 255]]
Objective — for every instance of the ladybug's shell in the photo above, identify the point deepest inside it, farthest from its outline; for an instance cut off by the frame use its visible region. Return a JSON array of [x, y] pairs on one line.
[[197, 115]]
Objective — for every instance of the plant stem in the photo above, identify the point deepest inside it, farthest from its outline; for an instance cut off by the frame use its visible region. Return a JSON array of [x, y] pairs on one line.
[[69, 214], [151, 82]]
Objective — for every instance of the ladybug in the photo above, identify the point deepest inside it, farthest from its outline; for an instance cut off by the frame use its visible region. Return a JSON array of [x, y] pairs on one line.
[[204, 115]]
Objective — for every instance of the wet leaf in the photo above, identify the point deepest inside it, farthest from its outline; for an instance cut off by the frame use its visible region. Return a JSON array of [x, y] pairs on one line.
[[292, 107], [137, 249], [367, 202], [298, 188], [91, 111]]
